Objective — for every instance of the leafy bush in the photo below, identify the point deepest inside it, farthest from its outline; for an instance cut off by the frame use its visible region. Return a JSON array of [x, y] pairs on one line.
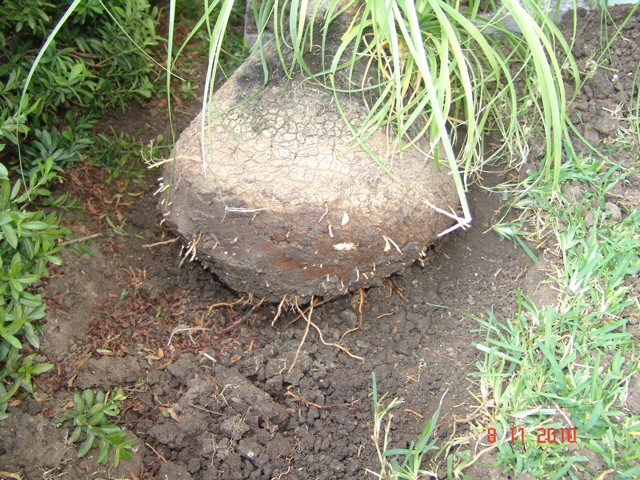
[[28, 243], [97, 60]]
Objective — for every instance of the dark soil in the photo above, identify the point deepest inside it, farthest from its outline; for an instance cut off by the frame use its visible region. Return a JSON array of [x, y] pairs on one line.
[[215, 391]]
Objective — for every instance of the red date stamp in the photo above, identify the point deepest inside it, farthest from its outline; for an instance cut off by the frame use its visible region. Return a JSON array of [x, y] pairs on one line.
[[544, 435]]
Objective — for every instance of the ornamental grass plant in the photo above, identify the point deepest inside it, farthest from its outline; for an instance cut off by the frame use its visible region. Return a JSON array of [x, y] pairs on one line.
[[445, 70]]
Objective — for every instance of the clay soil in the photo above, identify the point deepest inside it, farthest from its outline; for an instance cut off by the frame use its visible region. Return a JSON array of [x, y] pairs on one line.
[[218, 390]]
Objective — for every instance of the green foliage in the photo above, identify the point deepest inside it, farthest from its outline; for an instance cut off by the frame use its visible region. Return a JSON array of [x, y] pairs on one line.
[[61, 65], [400, 463], [92, 61], [439, 73], [92, 428], [28, 243], [122, 154], [98, 59], [569, 365]]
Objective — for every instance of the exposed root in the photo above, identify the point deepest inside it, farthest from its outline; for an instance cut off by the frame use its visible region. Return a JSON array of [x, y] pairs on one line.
[[241, 301], [249, 301], [226, 304], [191, 249], [289, 460], [281, 305], [355, 329], [388, 314], [313, 305], [340, 347], [157, 244], [306, 314], [306, 330], [413, 412], [393, 288]]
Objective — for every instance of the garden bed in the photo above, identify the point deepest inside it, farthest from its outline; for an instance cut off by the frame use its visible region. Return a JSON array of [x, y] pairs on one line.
[[216, 389]]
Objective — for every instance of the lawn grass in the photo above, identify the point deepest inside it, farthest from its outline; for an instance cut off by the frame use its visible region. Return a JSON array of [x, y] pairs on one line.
[[569, 365], [554, 380]]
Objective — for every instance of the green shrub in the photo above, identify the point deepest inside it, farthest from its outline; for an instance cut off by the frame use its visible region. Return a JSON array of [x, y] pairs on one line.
[[28, 243], [97, 60]]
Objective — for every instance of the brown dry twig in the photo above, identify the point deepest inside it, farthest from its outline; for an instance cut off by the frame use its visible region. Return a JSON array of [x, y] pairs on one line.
[[234, 324], [605, 473], [519, 275], [183, 328], [12, 476], [156, 452]]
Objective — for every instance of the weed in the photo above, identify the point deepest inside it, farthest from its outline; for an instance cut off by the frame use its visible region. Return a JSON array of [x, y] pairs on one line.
[[399, 463], [92, 428]]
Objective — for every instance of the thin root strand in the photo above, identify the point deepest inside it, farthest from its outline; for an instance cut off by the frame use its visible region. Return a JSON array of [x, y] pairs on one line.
[[306, 330], [360, 321]]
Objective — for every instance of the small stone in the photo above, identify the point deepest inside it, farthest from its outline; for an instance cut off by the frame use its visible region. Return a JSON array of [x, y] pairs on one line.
[[589, 219], [614, 210], [606, 125], [591, 135]]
